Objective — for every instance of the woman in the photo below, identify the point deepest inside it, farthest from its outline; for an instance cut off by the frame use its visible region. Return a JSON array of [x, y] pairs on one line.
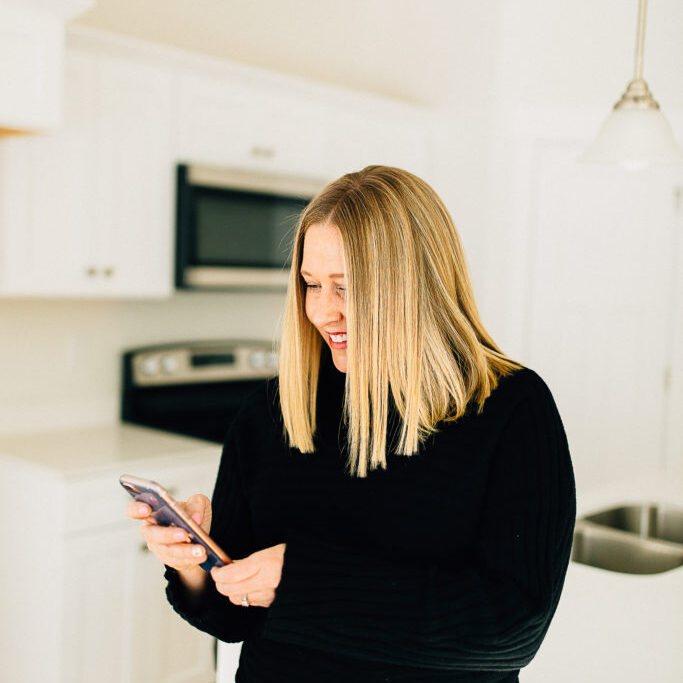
[[401, 498]]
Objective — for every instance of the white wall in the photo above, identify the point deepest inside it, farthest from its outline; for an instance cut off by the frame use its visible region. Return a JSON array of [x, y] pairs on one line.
[[557, 71]]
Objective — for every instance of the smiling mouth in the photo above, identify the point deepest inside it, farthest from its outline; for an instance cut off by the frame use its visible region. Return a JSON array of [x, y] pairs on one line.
[[338, 342]]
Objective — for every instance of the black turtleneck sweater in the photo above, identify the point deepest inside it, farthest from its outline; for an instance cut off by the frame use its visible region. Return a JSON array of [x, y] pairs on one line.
[[446, 566]]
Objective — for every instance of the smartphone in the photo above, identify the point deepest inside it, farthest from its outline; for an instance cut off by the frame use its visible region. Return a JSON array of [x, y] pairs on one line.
[[167, 512]]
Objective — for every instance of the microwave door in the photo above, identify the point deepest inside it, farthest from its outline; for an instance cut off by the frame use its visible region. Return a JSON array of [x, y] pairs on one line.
[[236, 233]]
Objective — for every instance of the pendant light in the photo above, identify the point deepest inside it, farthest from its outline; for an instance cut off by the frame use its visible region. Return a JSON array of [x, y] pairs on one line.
[[636, 134]]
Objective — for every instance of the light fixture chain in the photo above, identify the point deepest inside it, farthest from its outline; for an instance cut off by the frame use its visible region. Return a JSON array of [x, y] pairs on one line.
[[640, 43]]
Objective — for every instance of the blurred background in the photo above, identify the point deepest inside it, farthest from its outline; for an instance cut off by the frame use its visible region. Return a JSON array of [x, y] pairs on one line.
[[577, 269]]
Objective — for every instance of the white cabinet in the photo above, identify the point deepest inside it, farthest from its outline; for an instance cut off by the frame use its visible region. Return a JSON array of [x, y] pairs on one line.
[[87, 211], [118, 626], [31, 59], [84, 599], [134, 195], [44, 211], [226, 123]]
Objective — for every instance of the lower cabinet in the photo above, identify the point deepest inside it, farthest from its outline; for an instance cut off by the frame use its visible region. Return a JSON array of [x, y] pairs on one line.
[[83, 600], [118, 625]]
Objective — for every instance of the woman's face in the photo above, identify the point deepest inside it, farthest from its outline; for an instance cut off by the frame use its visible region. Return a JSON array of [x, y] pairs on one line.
[[324, 272]]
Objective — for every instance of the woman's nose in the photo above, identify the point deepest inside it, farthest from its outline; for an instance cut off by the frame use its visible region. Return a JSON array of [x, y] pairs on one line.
[[329, 309]]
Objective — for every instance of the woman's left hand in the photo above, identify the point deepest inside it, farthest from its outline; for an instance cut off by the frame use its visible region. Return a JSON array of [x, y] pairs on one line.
[[256, 576]]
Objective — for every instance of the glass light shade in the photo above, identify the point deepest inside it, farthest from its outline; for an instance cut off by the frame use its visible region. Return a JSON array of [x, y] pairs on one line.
[[634, 138]]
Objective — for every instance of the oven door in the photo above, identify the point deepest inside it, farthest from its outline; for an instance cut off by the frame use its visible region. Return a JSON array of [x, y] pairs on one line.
[[234, 229]]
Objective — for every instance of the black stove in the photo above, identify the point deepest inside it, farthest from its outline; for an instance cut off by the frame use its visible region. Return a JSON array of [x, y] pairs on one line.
[[193, 388]]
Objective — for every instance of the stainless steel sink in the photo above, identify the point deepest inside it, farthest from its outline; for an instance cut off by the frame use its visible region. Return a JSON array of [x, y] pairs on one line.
[[632, 539], [647, 521]]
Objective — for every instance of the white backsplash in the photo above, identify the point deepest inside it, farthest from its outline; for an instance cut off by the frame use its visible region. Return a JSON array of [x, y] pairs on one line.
[[60, 360]]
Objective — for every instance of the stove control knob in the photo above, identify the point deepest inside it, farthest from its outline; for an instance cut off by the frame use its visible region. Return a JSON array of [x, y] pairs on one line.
[[257, 359], [150, 366], [169, 364]]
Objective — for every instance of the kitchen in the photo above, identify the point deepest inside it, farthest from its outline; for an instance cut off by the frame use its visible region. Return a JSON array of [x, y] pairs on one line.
[[566, 279]]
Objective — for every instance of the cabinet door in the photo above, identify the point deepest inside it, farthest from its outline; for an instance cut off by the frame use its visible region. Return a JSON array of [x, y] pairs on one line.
[[133, 202], [31, 49], [47, 189], [118, 625], [163, 647], [228, 124]]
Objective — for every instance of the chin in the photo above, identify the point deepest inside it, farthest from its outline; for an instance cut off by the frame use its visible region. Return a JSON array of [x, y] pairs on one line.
[[339, 360]]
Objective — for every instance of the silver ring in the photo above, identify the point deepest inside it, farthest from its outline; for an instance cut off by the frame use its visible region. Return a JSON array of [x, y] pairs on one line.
[[245, 602]]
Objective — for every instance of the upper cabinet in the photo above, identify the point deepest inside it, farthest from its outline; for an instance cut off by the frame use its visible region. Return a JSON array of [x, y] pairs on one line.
[[230, 124], [31, 58], [89, 210], [133, 193]]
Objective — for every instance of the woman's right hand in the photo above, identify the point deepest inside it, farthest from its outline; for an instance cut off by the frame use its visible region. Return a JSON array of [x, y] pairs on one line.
[[171, 544]]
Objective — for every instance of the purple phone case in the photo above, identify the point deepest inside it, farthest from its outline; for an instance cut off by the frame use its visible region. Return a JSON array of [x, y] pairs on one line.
[[165, 516]]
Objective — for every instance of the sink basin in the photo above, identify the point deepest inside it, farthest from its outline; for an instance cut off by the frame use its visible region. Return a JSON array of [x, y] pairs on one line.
[[647, 521], [621, 551]]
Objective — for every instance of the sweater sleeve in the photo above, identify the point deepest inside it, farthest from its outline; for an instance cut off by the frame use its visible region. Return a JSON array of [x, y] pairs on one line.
[[231, 529], [491, 613]]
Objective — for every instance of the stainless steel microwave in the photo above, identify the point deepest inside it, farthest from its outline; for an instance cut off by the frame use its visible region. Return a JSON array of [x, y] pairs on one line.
[[234, 228]]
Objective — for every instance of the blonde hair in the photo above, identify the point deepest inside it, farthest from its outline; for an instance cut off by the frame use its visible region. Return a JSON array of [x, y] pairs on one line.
[[417, 333]]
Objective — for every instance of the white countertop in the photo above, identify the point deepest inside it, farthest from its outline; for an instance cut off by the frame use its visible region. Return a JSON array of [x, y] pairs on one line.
[[657, 487], [115, 447]]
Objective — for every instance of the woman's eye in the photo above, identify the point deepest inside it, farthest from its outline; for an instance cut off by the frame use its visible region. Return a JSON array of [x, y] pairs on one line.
[[340, 290]]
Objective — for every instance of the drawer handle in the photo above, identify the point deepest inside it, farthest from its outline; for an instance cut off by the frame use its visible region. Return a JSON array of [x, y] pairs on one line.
[[263, 152]]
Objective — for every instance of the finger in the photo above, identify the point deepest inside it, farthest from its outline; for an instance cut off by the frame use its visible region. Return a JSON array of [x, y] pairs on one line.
[[254, 585], [179, 554], [137, 510], [235, 572], [231, 589], [197, 517], [154, 533], [200, 505], [239, 589], [188, 553], [228, 576], [256, 599]]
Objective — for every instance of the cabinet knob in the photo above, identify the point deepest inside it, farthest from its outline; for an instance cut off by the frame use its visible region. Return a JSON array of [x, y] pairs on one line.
[[109, 271], [91, 271], [262, 152]]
